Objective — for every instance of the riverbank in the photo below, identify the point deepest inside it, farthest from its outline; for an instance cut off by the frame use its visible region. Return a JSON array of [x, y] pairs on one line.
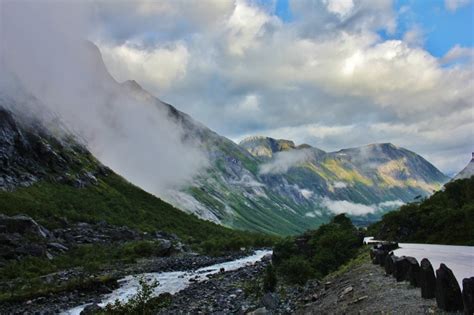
[[95, 285]]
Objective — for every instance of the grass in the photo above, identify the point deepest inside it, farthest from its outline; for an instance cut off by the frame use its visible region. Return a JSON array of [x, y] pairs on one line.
[[120, 203]]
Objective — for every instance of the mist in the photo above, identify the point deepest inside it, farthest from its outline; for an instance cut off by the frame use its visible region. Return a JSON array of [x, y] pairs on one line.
[[45, 53], [285, 160]]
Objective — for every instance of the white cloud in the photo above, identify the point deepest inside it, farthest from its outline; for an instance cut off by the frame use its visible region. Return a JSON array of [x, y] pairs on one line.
[[158, 67], [344, 206], [454, 5], [339, 7], [324, 79], [458, 53], [283, 161], [306, 193], [339, 185], [391, 204], [358, 209]]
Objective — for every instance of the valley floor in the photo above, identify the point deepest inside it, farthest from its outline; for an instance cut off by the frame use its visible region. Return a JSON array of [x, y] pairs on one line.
[[357, 288]]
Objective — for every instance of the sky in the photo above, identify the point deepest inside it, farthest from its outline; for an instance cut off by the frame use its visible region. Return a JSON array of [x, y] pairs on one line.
[[330, 73]]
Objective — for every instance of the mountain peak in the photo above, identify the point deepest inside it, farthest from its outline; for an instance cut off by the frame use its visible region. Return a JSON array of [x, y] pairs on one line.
[[266, 146], [466, 172]]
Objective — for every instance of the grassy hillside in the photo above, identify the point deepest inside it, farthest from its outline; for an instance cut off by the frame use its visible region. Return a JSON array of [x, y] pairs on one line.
[[447, 217], [118, 202]]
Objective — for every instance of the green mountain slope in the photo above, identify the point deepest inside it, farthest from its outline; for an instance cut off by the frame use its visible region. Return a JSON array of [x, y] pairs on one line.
[[54, 179], [275, 186], [447, 217]]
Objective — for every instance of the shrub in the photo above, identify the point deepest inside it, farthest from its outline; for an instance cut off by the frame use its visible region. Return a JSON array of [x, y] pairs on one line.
[[139, 304], [296, 270]]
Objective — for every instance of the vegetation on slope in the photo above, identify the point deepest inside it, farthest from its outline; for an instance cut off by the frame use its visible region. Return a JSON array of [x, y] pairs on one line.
[[317, 253], [118, 202], [447, 217]]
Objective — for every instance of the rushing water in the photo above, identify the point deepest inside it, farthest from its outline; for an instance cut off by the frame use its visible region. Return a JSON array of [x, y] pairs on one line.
[[171, 282]]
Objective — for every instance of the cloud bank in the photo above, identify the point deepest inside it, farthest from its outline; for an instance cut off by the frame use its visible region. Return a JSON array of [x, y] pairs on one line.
[[358, 209], [327, 77], [131, 134], [283, 161]]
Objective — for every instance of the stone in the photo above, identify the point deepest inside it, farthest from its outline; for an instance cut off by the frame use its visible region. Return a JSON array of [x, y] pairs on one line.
[[389, 262], [468, 295], [427, 279], [259, 311], [400, 269], [413, 274], [448, 293], [22, 224], [270, 300]]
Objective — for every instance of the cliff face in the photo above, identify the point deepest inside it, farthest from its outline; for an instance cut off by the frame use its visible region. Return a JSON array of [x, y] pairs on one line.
[[29, 153]]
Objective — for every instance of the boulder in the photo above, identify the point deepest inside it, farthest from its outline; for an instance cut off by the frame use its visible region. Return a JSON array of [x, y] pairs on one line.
[[379, 256], [427, 279], [413, 274], [448, 293], [400, 268], [468, 295], [22, 224], [270, 301], [389, 262], [387, 246]]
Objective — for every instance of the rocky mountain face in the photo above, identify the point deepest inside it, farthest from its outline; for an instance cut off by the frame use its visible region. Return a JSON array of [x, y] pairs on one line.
[[29, 153], [275, 186]]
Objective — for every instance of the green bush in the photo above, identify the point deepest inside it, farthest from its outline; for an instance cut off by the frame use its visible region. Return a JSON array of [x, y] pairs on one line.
[[296, 270], [317, 253], [142, 303], [447, 217]]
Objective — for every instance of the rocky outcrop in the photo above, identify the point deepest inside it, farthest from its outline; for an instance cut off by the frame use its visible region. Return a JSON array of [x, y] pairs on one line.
[[29, 153], [448, 293], [21, 236]]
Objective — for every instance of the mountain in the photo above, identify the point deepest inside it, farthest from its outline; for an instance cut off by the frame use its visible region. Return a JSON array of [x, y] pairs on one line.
[[275, 186], [263, 184], [466, 172], [52, 177]]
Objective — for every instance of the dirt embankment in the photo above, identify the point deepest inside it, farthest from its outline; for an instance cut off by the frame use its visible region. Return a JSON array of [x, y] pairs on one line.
[[363, 288]]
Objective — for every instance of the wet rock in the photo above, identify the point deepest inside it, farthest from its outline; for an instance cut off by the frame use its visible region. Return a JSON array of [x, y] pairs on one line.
[[468, 295], [448, 293], [413, 274], [427, 279], [270, 301]]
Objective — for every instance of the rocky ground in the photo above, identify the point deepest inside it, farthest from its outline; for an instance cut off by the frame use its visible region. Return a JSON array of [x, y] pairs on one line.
[[362, 289], [21, 236]]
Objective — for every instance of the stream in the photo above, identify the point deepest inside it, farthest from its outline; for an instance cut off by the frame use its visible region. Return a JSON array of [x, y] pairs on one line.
[[170, 282]]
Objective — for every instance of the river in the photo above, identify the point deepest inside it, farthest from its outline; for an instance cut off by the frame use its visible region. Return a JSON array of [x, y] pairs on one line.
[[170, 282]]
